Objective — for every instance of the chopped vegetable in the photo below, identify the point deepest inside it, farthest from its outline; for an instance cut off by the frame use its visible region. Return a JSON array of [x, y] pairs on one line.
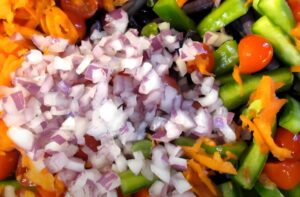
[[230, 94], [150, 29], [229, 189], [255, 53], [226, 57], [279, 13], [82, 8], [283, 46], [290, 117], [169, 11], [8, 163], [227, 12], [267, 189], [143, 145], [285, 174]]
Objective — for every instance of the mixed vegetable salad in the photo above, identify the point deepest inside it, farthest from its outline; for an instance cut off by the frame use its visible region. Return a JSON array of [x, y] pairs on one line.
[[150, 98]]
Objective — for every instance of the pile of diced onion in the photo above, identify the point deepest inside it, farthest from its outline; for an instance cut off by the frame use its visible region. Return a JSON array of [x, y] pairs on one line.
[[115, 88]]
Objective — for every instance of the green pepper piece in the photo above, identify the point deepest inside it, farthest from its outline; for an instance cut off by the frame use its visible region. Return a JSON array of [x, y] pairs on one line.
[[251, 166], [169, 11], [279, 12], [13, 183], [142, 145], [290, 117], [150, 29], [236, 148], [184, 141], [131, 183], [280, 41], [295, 192], [226, 57], [267, 190], [229, 189], [226, 13], [230, 92]]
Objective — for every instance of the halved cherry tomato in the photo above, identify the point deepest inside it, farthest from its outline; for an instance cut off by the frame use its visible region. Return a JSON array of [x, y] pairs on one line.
[[295, 6], [83, 8], [91, 142], [285, 174], [8, 163], [287, 139], [142, 193], [78, 22], [255, 53]]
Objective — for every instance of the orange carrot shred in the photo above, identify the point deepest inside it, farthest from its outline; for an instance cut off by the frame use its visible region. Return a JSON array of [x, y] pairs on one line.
[[180, 3], [237, 77], [295, 69]]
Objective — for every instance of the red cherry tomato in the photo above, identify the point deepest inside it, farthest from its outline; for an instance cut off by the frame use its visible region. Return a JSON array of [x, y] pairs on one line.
[[78, 22], [8, 163], [285, 174], [82, 8], [255, 52], [287, 139], [295, 6]]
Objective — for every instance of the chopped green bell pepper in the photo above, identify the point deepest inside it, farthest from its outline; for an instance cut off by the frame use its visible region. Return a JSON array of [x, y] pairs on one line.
[[282, 44], [226, 13], [279, 12], [142, 145], [169, 11], [150, 29], [226, 57], [290, 117]]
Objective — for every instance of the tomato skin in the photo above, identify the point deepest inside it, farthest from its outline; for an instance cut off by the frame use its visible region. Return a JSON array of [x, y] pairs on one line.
[[285, 174], [255, 53], [295, 6], [287, 139], [83, 8], [78, 22], [8, 164]]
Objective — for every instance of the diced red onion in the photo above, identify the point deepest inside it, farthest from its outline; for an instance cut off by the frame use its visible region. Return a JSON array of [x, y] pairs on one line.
[[21, 137], [19, 100], [56, 162], [180, 183]]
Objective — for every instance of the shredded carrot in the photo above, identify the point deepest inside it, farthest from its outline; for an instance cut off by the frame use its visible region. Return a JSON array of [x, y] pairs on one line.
[[202, 175], [5, 142], [43, 177], [214, 162], [108, 5], [295, 69], [119, 2], [261, 125], [237, 77], [180, 3], [248, 3], [256, 134]]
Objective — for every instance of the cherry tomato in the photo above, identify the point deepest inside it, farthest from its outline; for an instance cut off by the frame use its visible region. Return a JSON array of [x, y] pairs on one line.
[[285, 174], [142, 193], [255, 52], [287, 139], [78, 22], [83, 8], [295, 6], [8, 163]]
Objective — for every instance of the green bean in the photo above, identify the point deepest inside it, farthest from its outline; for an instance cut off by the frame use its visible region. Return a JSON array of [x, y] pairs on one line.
[[290, 117]]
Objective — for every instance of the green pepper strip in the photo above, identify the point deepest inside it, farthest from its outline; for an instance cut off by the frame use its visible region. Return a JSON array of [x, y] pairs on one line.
[[142, 145], [279, 12], [282, 44], [251, 165], [169, 11], [290, 117], [131, 183], [150, 29], [228, 189], [267, 190], [226, 57], [230, 92], [226, 13]]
